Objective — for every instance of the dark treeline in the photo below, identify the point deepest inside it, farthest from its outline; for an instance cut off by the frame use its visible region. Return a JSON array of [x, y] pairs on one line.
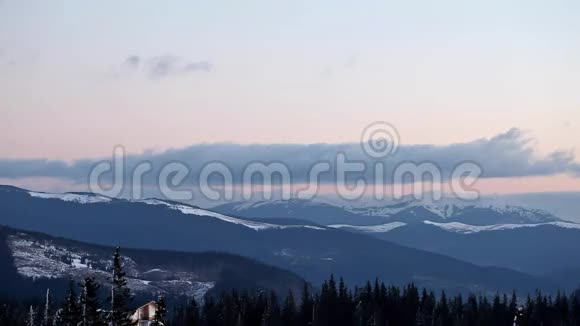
[[333, 305], [376, 304]]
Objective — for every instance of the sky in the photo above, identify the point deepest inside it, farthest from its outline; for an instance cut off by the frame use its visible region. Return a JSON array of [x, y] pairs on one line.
[[80, 77]]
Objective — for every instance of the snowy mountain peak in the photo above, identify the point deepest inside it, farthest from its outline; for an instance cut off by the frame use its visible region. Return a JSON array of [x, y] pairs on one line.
[[479, 214], [370, 228]]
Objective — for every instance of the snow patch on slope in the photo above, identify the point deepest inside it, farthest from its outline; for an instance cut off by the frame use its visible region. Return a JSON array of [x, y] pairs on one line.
[[468, 229], [38, 259], [279, 203], [455, 227], [44, 260], [381, 228], [202, 212], [71, 197]]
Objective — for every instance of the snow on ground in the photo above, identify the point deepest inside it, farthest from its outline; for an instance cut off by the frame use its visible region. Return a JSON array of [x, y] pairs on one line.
[[76, 262], [370, 228], [468, 229], [281, 203], [449, 208], [39, 259], [78, 198], [453, 226], [45, 260], [202, 212], [154, 270]]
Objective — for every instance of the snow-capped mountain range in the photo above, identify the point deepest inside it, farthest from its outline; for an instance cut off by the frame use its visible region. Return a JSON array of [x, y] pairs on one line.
[[451, 210], [449, 215], [481, 216], [306, 248], [405, 212], [455, 227]]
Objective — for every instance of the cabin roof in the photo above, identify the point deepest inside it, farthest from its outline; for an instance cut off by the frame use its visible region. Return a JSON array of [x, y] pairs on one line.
[[148, 303]]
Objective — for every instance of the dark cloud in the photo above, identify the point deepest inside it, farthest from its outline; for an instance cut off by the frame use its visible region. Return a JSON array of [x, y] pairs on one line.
[[166, 65], [132, 62], [508, 154]]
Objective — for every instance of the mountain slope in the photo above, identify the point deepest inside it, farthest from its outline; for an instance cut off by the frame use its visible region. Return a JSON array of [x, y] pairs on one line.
[[489, 233], [316, 212], [310, 251], [35, 256], [539, 249]]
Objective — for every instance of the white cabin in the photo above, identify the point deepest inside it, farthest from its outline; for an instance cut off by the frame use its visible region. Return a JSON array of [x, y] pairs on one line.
[[144, 315]]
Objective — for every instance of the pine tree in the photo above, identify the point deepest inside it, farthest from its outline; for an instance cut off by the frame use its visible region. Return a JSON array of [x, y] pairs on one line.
[[161, 312], [240, 320], [68, 314], [314, 319], [272, 314], [442, 311], [192, 316], [57, 320], [306, 307], [120, 294], [427, 306], [89, 304], [289, 311], [47, 313], [31, 320], [211, 312], [513, 307]]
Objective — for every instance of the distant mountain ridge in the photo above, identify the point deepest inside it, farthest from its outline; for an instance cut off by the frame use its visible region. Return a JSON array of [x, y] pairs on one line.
[[467, 213], [317, 212], [409, 211], [309, 250], [488, 234]]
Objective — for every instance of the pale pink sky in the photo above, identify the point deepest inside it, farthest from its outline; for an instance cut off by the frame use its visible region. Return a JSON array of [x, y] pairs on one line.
[[299, 72]]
